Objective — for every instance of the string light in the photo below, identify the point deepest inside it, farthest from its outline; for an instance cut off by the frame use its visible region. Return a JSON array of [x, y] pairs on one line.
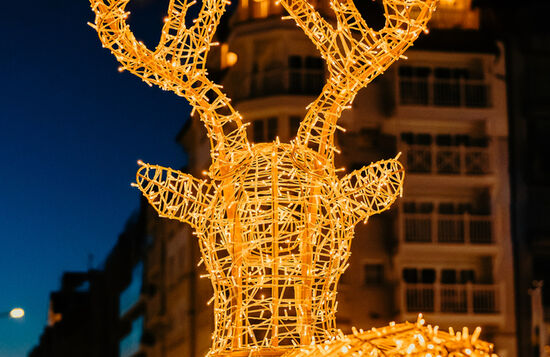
[[274, 221], [399, 340]]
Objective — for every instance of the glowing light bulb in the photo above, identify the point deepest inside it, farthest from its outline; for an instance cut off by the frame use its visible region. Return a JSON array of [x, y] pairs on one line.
[[17, 313]]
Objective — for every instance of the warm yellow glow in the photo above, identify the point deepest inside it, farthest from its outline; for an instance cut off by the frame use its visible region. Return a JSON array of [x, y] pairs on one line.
[[274, 221], [405, 339], [264, 8], [228, 58], [231, 59], [17, 313], [275, 236]]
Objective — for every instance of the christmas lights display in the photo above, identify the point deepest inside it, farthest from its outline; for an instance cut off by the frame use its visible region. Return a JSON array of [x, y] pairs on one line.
[[405, 339], [275, 221]]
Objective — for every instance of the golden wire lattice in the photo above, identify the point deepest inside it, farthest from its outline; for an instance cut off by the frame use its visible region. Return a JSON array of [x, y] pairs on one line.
[[406, 339], [276, 249], [274, 222]]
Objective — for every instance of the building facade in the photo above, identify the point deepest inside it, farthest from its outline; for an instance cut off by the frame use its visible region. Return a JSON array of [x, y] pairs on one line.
[[445, 249], [72, 324], [100, 312], [177, 317]]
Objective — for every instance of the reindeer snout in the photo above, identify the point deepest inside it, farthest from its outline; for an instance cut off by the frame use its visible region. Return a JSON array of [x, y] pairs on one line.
[[143, 179], [391, 178]]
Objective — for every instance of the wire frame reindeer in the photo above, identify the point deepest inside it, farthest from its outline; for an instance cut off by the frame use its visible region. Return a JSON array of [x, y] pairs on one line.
[[274, 221]]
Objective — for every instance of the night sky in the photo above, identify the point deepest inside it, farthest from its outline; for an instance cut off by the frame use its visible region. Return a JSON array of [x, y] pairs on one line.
[[72, 128]]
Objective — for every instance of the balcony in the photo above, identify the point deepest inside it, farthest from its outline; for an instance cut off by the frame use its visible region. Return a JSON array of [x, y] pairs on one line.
[[439, 92], [447, 160], [467, 299], [286, 81], [447, 228]]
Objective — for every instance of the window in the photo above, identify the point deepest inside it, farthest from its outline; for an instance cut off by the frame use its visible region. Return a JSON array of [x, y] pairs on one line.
[[413, 84], [129, 297], [467, 276], [314, 79], [447, 85], [448, 276], [419, 157], [260, 9], [129, 344], [264, 130], [419, 276], [315, 63], [459, 154], [452, 296], [410, 275], [258, 130], [373, 274], [306, 75], [273, 80], [419, 298], [463, 222], [295, 74], [271, 129], [443, 86], [418, 222], [454, 276], [418, 207], [294, 125], [427, 276]]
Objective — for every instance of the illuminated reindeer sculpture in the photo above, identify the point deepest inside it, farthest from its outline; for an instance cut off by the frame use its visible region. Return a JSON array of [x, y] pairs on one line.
[[275, 222]]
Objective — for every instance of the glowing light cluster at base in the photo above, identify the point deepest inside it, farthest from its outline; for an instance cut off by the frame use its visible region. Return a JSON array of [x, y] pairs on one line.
[[274, 220], [406, 339]]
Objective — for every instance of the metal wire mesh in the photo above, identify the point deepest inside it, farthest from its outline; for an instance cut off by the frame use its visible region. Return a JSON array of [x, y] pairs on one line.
[[274, 221]]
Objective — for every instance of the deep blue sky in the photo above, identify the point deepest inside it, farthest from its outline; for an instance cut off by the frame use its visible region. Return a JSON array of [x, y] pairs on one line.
[[71, 130]]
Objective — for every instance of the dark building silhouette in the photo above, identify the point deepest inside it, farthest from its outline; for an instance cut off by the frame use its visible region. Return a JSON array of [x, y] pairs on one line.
[[123, 288], [94, 313], [72, 322], [524, 29]]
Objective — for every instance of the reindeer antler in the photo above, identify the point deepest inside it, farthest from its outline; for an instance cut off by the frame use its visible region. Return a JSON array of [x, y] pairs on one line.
[[352, 62], [178, 64]]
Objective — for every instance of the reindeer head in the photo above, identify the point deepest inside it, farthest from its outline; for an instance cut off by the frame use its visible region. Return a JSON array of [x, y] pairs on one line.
[[275, 222]]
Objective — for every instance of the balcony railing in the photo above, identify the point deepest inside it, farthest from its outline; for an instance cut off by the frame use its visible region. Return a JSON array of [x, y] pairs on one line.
[[451, 298], [444, 92], [447, 160], [286, 81], [447, 228]]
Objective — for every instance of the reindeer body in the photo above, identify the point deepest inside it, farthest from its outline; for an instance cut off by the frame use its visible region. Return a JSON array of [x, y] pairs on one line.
[[276, 257]]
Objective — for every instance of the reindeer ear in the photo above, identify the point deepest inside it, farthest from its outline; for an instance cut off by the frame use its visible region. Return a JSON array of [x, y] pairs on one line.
[[172, 193], [373, 188]]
